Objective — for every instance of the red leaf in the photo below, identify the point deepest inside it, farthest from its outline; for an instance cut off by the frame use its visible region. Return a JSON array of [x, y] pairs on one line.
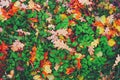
[[3, 48]]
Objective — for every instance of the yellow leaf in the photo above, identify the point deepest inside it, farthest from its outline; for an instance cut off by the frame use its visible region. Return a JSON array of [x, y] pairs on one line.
[[47, 69], [31, 4], [50, 77], [17, 4], [111, 42], [36, 77], [95, 43], [101, 30], [103, 19], [63, 16], [33, 73], [118, 28], [80, 77]]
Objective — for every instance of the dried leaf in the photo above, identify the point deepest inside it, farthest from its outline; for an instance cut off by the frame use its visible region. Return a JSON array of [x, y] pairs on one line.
[[20, 31], [17, 46], [91, 50], [31, 4], [11, 74], [50, 77], [5, 3], [62, 32], [116, 61], [61, 45], [86, 2], [47, 69], [56, 67], [95, 43]]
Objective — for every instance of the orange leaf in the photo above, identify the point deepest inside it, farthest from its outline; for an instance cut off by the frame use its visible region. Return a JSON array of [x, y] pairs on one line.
[[75, 4], [69, 70], [33, 19], [44, 73], [72, 23], [78, 64], [33, 54], [117, 22], [98, 24], [4, 13], [77, 14], [12, 11]]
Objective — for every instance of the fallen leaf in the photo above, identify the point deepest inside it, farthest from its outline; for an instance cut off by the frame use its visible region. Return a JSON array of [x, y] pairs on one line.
[[33, 54], [111, 42], [70, 70], [116, 61], [11, 74], [91, 50], [17, 46]]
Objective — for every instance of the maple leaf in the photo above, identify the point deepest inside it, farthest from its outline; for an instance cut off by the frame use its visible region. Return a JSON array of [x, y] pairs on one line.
[[32, 5], [62, 32], [95, 43], [61, 45], [33, 19], [92, 46], [56, 67], [111, 42], [37, 77], [23, 6], [3, 47], [33, 54], [51, 26], [17, 46], [50, 77], [76, 14], [3, 50], [5, 3], [11, 74], [110, 19], [47, 69], [20, 31], [70, 70], [91, 50], [76, 4], [49, 19], [82, 19], [79, 58], [106, 31], [98, 24], [22, 0], [86, 2], [116, 61]]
